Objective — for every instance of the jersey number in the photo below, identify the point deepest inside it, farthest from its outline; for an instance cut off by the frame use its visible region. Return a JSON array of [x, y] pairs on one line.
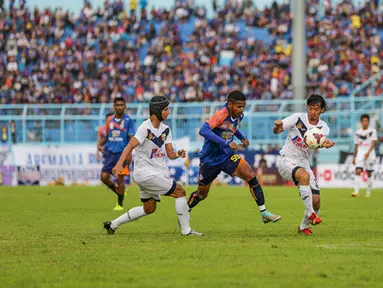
[[235, 158]]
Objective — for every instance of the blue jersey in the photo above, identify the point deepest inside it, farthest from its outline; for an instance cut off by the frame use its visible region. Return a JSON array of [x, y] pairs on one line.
[[225, 127], [118, 133]]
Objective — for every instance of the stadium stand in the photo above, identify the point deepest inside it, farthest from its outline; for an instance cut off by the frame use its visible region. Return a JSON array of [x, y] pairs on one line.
[[54, 56]]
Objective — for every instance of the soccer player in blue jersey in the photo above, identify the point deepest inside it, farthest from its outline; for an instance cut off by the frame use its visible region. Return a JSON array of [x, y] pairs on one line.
[[218, 154], [119, 130]]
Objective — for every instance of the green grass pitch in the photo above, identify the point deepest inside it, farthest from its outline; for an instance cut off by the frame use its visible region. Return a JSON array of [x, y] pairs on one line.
[[53, 237]]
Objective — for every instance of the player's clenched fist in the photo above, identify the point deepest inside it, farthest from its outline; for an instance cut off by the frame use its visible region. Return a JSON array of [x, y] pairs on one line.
[[245, 143], [278, 123], [233, 146], [278, 127], [181, 153]]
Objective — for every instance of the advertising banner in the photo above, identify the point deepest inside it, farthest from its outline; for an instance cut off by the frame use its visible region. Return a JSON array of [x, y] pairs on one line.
[[70, 176], [77, 165], [8, 176], [270, 177], [56, 156], [342, 176], [28, 175], [5, 155], [61, 165]]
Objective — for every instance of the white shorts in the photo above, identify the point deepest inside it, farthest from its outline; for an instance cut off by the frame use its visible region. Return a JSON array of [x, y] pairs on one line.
[[155, 186], [365, 164], [287, 169]]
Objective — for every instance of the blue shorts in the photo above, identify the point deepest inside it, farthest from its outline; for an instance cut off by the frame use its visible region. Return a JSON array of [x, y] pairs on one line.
[[208, 173], [110, 160]]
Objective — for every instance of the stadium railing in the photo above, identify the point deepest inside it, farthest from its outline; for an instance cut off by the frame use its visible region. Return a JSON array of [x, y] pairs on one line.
[[369, 84], [78, 123]]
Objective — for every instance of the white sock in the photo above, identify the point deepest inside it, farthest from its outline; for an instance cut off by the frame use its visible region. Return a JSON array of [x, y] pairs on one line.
[[130, 216], [317, 211], [307, 198], [182, 210], [305, 222], [262, 208], [369, 186], [357, 181]]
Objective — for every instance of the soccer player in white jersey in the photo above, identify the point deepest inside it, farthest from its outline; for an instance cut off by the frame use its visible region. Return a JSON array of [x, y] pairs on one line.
[[294, 165], [153, 141], [364, 154]]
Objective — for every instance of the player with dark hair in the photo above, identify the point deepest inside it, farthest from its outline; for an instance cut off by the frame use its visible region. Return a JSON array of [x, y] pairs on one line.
[[364, 154], [119, 130], [218, 154], [152, 142], [295, 165]]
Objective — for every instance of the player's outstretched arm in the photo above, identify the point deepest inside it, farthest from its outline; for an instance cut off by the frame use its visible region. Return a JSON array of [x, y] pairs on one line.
[[133, 143], [278, 127], [174, 155], [207, 133]]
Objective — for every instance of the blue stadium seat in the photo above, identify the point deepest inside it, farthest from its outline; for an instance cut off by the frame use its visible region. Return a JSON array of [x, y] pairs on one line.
[[187, 28], [242, 27], [258, 33], [380, 31], [143, 51]]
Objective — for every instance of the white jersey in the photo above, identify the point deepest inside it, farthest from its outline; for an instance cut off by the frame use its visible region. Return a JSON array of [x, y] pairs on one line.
[[150, 154], [295, 148], [364, 138]]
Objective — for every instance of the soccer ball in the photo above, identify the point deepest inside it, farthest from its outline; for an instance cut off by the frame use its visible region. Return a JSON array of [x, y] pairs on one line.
[[314, 138]]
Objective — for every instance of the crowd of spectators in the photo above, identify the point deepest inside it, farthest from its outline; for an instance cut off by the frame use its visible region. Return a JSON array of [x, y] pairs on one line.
[[57, 56]]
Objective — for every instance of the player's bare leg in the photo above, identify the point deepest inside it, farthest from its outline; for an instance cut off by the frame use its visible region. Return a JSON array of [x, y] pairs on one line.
[[357, 182], [369, 184], [246, 173], [107, 180], [303, 178], [199, 195], [150, 206]]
